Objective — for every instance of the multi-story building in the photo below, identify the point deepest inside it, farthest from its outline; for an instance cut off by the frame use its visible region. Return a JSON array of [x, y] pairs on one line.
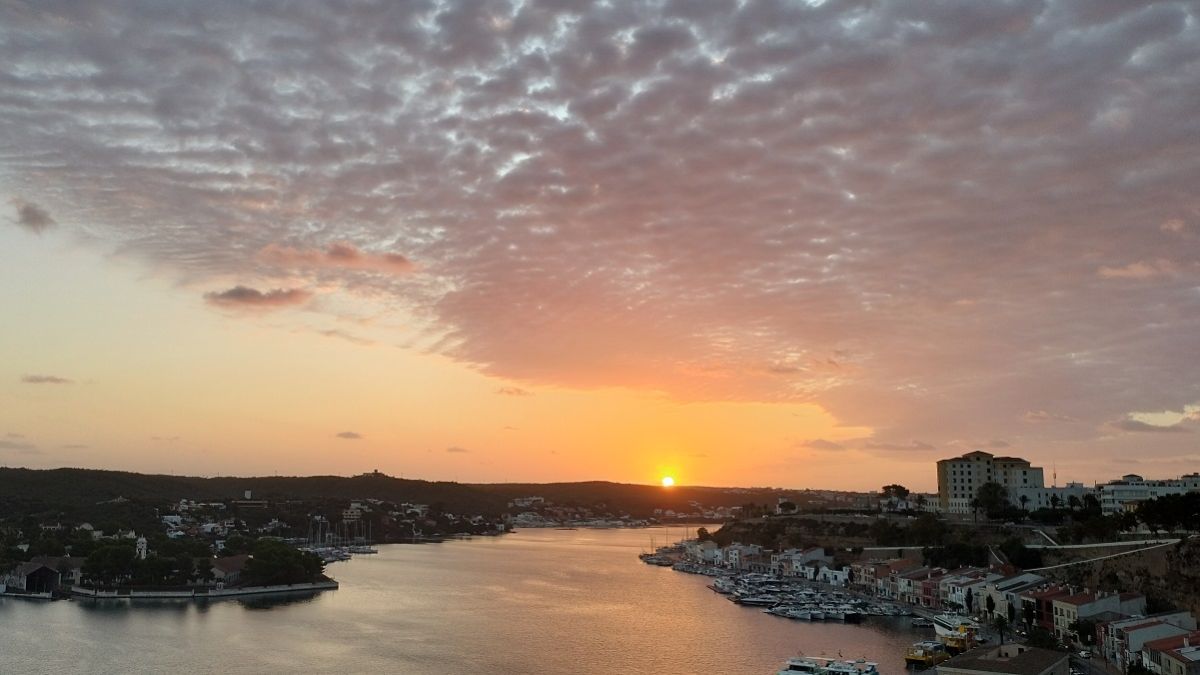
[[1069, 610], [1009, 659], [1034, 498], [1037, 606], [1179, 655], [1121, 641], [959, 478], [1125, 493]]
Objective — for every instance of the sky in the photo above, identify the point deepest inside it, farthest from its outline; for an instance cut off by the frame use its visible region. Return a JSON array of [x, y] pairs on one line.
[[801, 244]]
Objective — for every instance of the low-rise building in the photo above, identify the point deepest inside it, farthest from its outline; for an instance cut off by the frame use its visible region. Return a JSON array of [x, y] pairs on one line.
[[1009, 659], [1073, 608], [228, 570], [1121, 641], [1178, 655]]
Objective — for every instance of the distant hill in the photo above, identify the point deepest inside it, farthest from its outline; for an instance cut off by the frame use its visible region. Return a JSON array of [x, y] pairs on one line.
[[82, 487]]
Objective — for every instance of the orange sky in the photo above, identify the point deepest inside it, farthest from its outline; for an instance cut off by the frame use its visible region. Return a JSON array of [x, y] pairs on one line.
[[793, 244]]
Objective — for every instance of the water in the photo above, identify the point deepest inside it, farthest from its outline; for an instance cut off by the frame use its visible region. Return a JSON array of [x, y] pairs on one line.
[[538, 601]]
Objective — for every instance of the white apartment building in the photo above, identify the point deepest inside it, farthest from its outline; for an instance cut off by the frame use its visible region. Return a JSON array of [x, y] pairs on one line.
[[1043, 497], [1131, 489]]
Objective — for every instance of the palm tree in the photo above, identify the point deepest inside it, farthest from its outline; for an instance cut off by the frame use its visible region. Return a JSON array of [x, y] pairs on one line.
[[975, 508], [1055, 502], [1001, 624], [921, 501], [1025, 503], [1074, 503]]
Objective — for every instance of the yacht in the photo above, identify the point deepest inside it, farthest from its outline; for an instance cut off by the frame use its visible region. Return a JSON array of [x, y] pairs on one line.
[[814, 665]]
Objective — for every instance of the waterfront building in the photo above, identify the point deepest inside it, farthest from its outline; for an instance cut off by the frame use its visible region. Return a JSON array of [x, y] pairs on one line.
[[793, 562], [834, 577], [1100, 605], [1178, 655], [1037, 605], [1005, 594], [959, 478], [1130, 490], [1009, 659], [228, 570], [737, 556], [1121, 641], [32, 577], [703, 552]]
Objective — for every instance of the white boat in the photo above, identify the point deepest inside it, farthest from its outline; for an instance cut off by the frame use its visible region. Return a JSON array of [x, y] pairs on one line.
[[758, 600], [814, 665], [953, 624]]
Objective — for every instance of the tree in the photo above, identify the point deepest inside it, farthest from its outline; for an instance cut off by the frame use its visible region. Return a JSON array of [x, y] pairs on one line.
[[1055, 502], [895, 491], [1001, 624], [110, 564], [1025, 503], [1028, 614], [993, 498], [274, 562], [1074, 503], [1085, 630], [1040, 637], [702, 534], [991, 605], [203, 570]]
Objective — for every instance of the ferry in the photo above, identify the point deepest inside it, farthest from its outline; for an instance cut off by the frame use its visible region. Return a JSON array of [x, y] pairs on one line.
[[958, 633], [949, 624], [814, 665], [926, 654]]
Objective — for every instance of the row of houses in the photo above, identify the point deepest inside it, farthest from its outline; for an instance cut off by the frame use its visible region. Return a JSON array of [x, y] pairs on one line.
[[1166, 643], [810, 563]]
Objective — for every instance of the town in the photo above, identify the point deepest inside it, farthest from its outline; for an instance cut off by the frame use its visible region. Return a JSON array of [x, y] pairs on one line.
[[980, 564], [206, 549]]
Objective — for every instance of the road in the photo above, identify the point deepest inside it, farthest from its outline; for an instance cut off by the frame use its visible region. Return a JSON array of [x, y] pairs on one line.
[[1092, 666]]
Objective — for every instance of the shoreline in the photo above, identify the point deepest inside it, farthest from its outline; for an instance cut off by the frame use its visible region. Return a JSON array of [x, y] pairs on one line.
[[83, 593]]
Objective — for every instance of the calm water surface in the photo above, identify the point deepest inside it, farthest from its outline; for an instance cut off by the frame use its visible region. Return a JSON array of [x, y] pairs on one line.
[[538, 601]]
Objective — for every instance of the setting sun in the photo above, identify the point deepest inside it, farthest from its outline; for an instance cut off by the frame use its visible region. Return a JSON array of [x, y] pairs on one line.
[[667, 481]]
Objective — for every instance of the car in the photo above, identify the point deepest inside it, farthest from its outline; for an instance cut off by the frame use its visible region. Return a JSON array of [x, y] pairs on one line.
[[1085, 654]]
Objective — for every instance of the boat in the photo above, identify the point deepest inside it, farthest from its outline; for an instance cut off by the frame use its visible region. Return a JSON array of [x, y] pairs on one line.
[[926, 654], [814, 665], [758, 600], [958, 633], [921, 622], [957, 643], [947, 624]]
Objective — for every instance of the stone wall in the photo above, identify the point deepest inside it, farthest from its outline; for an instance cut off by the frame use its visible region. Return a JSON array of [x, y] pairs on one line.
[[1168, 574]]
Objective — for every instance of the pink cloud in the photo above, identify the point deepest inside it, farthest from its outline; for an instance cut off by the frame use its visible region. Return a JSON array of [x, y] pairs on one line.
[[1142, 269], [338, 255]]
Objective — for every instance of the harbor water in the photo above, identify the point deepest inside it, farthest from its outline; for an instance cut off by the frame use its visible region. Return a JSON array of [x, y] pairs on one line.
[[537, 601]]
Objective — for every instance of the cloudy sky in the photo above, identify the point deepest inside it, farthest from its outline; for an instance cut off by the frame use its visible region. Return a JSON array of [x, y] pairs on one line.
[[789, 243]]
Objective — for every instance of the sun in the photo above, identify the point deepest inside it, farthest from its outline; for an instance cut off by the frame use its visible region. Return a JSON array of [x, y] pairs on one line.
[[667, 481]]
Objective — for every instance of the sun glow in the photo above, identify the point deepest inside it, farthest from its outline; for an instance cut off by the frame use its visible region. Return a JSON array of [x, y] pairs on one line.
[[667, 481]]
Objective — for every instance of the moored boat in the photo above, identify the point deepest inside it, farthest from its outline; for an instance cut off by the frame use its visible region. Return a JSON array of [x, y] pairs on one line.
[[814, 665], [926, 654]]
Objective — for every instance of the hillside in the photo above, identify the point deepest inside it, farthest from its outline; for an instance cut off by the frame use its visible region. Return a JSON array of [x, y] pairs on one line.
[[78, 488]]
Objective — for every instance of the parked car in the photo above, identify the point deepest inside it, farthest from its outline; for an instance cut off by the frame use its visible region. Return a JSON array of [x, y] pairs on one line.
[[1085, 654]]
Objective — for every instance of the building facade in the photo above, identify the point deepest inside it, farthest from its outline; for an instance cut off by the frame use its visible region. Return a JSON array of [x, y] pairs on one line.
[[959, 478]]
